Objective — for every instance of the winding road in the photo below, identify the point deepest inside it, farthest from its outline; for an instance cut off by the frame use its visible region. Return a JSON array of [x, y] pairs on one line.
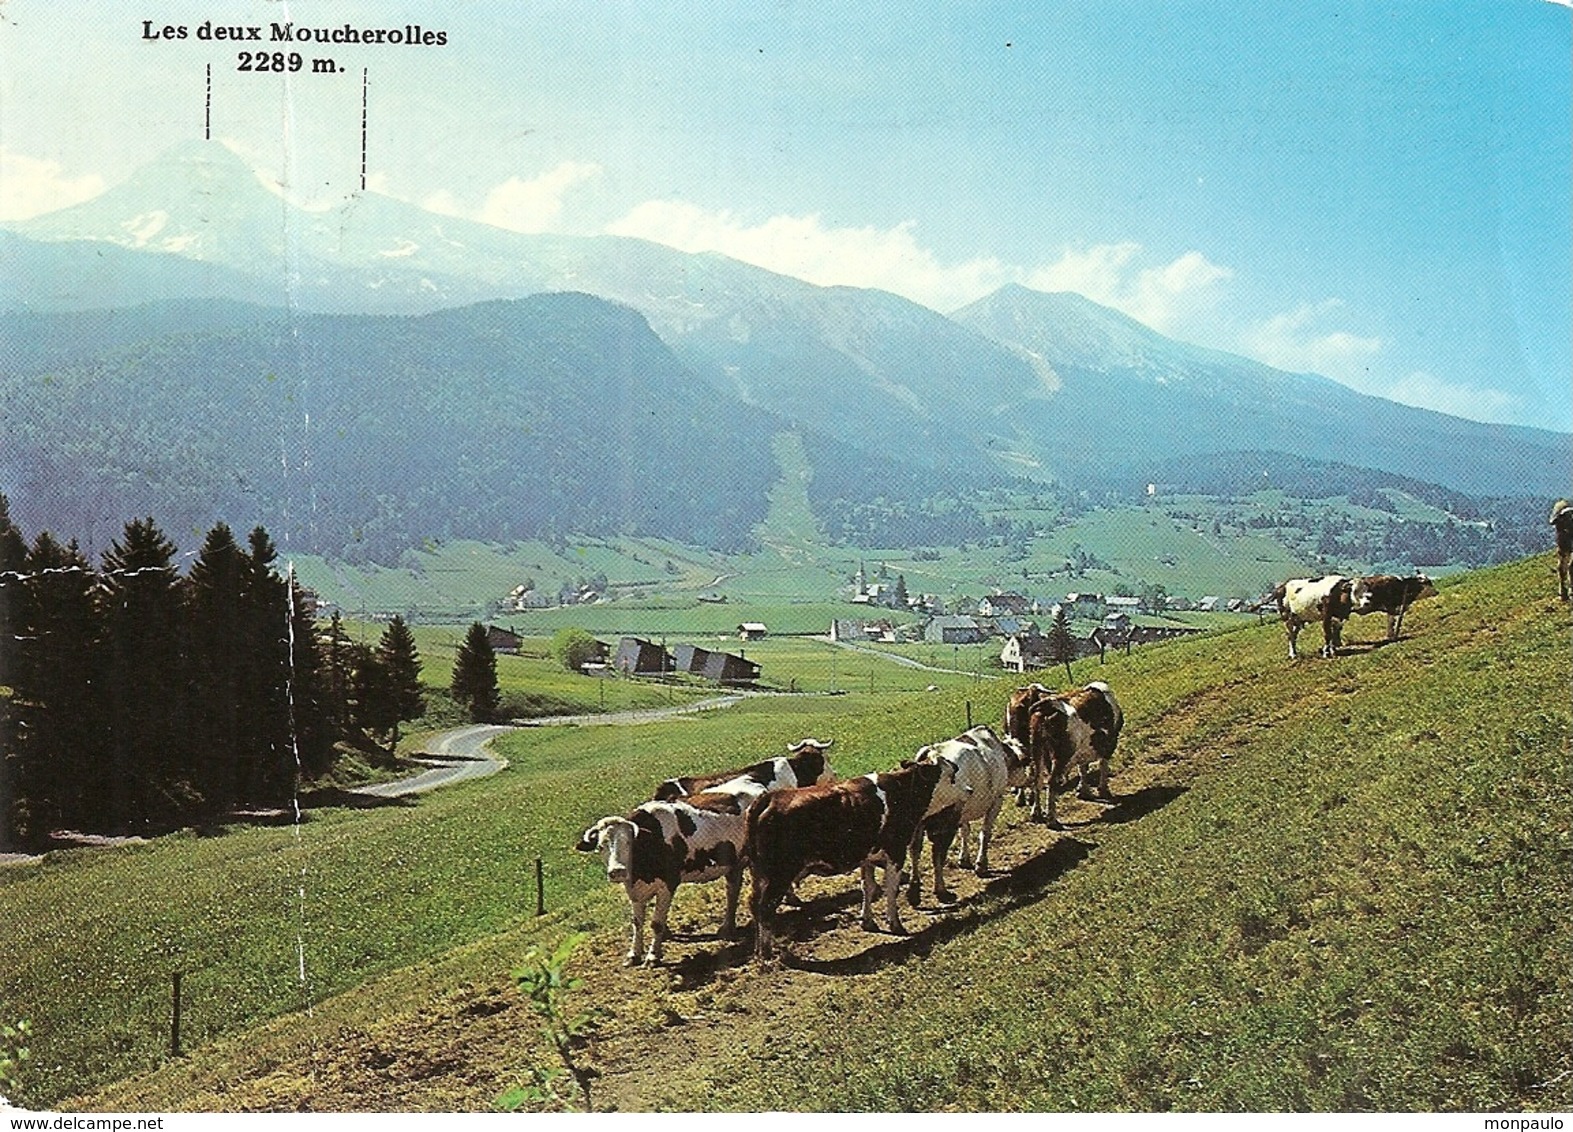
[[460, 754]]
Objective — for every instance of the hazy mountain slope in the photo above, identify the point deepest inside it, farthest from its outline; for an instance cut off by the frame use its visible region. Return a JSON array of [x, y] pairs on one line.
[[365, 435], [1019, 383], [1130, 395]]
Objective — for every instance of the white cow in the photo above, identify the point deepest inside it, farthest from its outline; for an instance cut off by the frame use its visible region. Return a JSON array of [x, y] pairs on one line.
[[661, 845], [986, 768], [1305, 601]]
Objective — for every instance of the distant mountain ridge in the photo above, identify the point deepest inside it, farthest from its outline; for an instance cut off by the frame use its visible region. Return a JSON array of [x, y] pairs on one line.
[[1050, 387]]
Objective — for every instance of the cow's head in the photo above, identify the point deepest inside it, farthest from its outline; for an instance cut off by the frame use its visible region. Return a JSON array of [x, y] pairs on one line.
[[813, 747], [615, 838], [1424, 587]]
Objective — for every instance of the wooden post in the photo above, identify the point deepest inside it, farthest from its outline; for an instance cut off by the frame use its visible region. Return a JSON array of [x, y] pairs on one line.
[[174, 1019], [969, 715], [540, 889]]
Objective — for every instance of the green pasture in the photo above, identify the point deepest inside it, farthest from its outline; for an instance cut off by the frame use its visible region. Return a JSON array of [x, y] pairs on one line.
[[1327, 885]]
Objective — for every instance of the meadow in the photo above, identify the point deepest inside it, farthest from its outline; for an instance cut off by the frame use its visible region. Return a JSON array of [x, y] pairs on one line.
[[1326, 885]]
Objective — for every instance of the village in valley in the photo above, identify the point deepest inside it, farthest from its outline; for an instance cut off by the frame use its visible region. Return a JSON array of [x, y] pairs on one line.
[[1019, 633]]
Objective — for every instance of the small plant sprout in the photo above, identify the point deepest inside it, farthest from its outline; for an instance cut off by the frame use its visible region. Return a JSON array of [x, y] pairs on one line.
[[13, 1052], [544, 979]]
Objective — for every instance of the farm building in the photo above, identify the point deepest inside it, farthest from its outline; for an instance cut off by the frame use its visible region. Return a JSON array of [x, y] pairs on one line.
[[638, 657], [503, 640], [752, 631], [727, 668], [1084, 604], [862, 632], [953, 630], [1025, 653], [719, 667], [1004, 605]]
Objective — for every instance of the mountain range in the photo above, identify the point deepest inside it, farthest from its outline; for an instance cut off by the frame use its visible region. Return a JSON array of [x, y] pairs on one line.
[[191, 317]]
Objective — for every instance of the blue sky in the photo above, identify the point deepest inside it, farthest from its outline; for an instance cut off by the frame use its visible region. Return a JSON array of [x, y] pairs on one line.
[[1374, 191]]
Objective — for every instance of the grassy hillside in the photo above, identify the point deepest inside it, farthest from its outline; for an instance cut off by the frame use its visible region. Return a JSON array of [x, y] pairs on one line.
[[1326, 885]]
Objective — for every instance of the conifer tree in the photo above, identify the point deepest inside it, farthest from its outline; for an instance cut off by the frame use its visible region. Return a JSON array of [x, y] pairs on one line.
[[218, 650], [144, 682], [54, 694], [313, 731], [475, 675], [400, 661], [374, 705], [13, 550], [269, 753], [1062, 647], [338, 676]]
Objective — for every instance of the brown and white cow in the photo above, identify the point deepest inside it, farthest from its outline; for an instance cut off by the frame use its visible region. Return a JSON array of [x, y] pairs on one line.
[[1018, 709], [1562, 520], [1078, 728], [857, 823], [1307, 601], [1390, 594], [986, 768], [807, 763], [662, 845]]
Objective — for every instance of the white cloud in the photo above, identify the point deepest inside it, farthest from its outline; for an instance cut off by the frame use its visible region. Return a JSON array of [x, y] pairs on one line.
[[1427, 391], [535, 205], [804, 247], [892, 259], [1161, 296], [30, 186], [1303, 340]]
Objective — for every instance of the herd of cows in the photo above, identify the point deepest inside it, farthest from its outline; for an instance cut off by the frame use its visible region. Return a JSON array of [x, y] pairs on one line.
[[788, 817]]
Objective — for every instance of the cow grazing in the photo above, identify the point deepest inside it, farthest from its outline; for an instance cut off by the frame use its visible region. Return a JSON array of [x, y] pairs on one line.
[[1072, 729], [854, 824], [1389, 594], [661, 845], [986, 767], [807, 763], [1562, 520], [1305, 601]]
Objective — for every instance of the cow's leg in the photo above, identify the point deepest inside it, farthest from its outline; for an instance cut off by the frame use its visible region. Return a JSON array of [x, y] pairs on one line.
[[1565, 572], [734, 888], [1037, 789], [762, 906], [868, 898], [1084, 778], [966, 859], [940, 837], [892, 873], [663, 903], [1105, 750], [1050, 818], [636, 947], [1293, 629], [915, 853], [987, 836]]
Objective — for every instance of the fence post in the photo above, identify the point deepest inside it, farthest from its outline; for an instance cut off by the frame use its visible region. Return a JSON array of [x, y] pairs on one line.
[[540, 889], [174, 1019], [969, 715]]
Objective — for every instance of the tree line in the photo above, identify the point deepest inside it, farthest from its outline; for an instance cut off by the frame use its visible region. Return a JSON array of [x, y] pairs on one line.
[[135, 697]]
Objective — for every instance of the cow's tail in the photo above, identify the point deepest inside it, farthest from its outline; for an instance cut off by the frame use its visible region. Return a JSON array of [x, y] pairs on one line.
[[751, 829]]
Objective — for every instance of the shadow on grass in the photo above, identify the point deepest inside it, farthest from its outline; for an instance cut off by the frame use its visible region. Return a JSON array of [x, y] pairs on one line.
[[1001, 892], [1138, 804], [337, 798]]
